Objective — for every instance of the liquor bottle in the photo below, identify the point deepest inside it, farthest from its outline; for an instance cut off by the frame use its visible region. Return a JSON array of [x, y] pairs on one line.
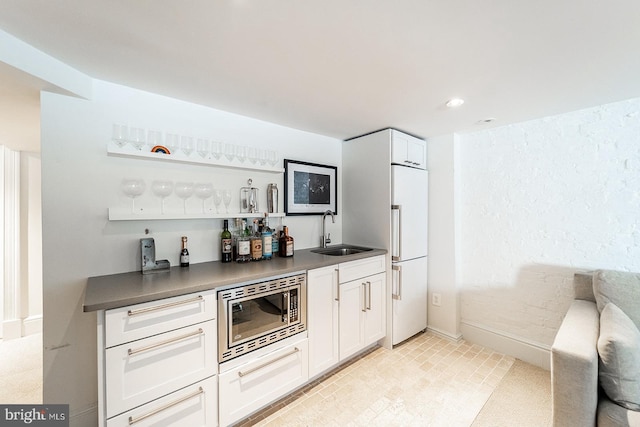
[[275, 242], [256, 242], [235, 236], [184, 253], [244, 244], [286, 243], [226, 243], [267, 239]]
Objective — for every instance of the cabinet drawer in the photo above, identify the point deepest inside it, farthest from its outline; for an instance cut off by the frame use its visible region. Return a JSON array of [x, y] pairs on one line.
[[361, 268], [253, 385], [143, 320], [143, 370], [195, 405]]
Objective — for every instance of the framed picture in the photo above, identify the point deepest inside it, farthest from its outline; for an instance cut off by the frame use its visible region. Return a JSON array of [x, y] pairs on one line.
[[309, 188]]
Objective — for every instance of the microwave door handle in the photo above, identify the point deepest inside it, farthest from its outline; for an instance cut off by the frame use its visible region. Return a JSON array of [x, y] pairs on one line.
[[285, 308], [396, 227]]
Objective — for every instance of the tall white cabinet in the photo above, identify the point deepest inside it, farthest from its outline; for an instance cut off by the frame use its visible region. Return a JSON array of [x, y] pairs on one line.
[[370, 189]]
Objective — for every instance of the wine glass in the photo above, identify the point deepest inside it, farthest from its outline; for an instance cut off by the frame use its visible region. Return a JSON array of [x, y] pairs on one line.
[[217, 149], [162, 189], [154, 137], [202, 147], [226, 199], [120, 134], [137, 138], [229, 151], [184, 190], [252, 154], [173, 142], [203, 191], [186, 143], [217, 199], [133, 188], [262, 156], [272, 157], [241, 152]]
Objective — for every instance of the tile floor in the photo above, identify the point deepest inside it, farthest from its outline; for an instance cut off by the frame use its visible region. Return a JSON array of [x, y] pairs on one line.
[[425, 381]]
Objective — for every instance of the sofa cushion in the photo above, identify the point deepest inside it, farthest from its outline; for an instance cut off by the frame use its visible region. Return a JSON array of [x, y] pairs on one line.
[[620, 288], [619, 350]]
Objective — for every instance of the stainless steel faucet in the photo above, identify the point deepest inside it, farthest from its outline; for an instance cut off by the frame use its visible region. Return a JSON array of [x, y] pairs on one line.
[[326, 238]]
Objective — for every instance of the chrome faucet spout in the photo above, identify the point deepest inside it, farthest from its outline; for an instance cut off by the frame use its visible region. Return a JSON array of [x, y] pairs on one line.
[[326, 238]]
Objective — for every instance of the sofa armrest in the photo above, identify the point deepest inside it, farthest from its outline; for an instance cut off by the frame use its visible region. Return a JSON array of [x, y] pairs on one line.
[[574, 366]]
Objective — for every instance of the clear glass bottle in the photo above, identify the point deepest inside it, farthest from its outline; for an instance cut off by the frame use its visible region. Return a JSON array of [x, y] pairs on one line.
[[256, 242], [226, 243], [275, 242], [244, 244], [267, 239], [184, 253], [286, 243]]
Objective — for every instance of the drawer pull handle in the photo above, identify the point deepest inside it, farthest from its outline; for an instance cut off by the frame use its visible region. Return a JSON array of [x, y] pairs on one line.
[[249, 371], [133, 421], [165, 342], [163, 306]]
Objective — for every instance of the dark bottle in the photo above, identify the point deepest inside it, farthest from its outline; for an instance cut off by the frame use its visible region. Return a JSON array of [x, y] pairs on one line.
[[286, 243], [226, 243], [184, 253]]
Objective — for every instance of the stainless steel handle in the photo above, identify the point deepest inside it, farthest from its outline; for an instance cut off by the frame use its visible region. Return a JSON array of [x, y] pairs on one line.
[[337, 284], [369, 299], [398, 234], [131, 352], [135, 420], [264, 365], [364, 297], [399, 270], [163, 306]]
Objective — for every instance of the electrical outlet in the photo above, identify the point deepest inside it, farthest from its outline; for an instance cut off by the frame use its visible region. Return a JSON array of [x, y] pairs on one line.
[[436, 299]]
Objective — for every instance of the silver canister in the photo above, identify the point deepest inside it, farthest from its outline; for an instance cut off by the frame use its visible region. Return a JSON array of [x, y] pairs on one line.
[[272, 198]]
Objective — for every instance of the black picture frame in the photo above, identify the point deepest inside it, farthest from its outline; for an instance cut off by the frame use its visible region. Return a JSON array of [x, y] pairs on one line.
[[310, 188]]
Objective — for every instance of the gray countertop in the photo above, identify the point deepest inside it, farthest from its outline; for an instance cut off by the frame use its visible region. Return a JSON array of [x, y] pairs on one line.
[[118, 290]]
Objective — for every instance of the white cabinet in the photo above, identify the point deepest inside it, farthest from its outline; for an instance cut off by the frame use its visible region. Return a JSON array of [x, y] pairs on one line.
[[362, 313], [322, 319], [193, 406], [408, 150], [154, 350], [249, 386], [346, 310]]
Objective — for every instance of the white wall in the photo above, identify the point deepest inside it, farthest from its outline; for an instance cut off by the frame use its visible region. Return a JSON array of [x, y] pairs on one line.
[[80, 181], [538, 201]]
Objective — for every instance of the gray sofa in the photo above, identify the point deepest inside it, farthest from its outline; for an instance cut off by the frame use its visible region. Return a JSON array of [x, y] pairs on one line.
[[595, 357]]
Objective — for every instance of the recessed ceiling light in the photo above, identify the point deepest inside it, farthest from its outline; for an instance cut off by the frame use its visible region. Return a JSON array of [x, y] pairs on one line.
[[455, 102]]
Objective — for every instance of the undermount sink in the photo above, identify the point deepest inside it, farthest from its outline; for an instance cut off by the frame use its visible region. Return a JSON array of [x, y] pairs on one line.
[[341, 250]]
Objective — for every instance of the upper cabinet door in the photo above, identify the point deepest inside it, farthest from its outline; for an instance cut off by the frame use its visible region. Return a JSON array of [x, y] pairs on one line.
[[408, 150]]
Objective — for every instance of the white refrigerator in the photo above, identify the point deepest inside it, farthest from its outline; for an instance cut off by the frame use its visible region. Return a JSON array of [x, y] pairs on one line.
[[408, 251]]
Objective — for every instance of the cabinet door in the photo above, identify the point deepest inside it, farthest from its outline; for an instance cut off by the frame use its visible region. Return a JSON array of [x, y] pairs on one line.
[[352, 308], [143, 370], [408, 150], [374, 316], [249, 387], [322, 319], [195, 406]]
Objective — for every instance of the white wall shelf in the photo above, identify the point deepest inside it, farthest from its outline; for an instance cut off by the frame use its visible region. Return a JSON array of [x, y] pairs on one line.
[[194, 158], [119, 214]]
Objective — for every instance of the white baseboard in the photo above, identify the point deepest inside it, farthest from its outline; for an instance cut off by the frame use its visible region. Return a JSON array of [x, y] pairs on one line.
[[528, 351], [444, 334], [11, 329], [32, 325]]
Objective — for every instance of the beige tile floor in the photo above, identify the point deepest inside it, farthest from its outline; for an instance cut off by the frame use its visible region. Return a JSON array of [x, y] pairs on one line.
[[425, 381]]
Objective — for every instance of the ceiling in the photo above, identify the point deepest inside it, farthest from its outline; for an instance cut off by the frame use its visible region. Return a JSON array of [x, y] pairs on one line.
[[343, 68]]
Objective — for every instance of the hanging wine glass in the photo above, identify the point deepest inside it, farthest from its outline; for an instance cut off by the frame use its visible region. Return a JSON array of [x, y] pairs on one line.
[[217, 199], [184, 190], [226, 199], [162, 189], [203, 191], [120, 134], [133, 188]]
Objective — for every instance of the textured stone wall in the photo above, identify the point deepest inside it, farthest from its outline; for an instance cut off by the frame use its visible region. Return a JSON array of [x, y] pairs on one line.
[[538, 201]]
